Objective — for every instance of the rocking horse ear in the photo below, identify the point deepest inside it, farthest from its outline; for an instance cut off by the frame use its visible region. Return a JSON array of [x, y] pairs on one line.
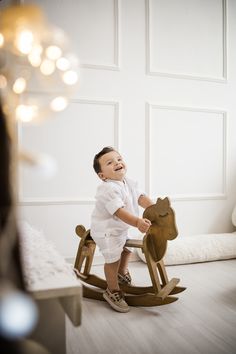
[[167, 202]]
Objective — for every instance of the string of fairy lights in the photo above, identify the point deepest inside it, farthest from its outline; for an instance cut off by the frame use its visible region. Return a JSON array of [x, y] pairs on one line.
[[38, 74], [35, 58]]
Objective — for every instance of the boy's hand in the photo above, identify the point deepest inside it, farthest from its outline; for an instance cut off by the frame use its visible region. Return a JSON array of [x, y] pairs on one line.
[[143, 225]]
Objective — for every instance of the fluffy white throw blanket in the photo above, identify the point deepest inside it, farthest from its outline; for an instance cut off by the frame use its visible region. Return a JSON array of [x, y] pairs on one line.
[[42, 263]]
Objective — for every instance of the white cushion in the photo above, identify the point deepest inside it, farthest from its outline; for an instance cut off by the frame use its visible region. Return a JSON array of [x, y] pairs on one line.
[[234, 216], [199, 248]]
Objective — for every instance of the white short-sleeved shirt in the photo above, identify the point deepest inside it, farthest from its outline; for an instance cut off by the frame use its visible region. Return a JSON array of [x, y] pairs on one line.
[[112, 195]]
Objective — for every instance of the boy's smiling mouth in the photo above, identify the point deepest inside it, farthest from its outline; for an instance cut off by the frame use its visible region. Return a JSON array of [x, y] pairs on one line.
[[119, 168]]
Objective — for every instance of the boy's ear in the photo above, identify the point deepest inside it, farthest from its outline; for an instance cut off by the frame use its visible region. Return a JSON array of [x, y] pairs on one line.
[[100, 175]]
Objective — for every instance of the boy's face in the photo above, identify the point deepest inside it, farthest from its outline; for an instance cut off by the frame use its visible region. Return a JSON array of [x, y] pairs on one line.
[[112, 166]]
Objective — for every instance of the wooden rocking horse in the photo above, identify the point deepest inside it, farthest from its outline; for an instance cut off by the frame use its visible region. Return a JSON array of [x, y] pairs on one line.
[[153, 245]]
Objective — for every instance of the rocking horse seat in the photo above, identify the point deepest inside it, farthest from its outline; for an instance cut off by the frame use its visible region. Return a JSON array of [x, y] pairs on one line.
[[153, 246], [134, 243]]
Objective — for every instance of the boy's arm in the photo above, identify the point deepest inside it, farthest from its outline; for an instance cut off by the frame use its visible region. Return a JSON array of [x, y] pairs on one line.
[[142, 224], [144, 201]]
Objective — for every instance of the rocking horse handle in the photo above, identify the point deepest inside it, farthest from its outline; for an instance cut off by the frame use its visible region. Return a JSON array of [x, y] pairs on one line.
[[83, 233], [80, 230]]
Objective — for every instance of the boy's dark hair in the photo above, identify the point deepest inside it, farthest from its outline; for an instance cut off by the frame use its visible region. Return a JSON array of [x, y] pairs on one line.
[[96, 163]]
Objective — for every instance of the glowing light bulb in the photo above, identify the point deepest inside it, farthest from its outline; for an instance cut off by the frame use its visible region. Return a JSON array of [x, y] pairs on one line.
[[70, 77], [3, 82], [1, 39], [59, 104], [35, 55], [38, 57], [26, 113], [24, 41], [47, 67], [19, 85], [63, 64], [18, 314], [53, 52]]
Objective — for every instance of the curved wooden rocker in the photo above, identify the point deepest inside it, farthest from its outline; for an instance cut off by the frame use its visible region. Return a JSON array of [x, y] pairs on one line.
[[153, 245]]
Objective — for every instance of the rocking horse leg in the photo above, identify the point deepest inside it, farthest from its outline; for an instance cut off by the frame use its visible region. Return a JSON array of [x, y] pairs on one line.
[[165, 280], [79, 259], [153, 272], [161, 291], [162, 272], [89, 259], [86, 253]]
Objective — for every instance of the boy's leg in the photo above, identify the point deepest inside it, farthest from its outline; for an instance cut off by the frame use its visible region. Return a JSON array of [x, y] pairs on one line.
[[113, 295], [124, 261], [111, 273]]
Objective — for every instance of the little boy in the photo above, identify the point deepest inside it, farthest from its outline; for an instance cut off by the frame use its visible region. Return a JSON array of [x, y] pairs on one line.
[[116, 208]]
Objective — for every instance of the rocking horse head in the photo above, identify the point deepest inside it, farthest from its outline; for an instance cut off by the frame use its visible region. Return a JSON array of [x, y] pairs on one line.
[[163, 227]]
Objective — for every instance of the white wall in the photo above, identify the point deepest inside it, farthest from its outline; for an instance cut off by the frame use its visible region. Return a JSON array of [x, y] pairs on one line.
[[158, 81]]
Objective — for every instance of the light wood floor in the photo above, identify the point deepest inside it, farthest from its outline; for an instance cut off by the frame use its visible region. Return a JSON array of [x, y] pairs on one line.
[[203, 320]]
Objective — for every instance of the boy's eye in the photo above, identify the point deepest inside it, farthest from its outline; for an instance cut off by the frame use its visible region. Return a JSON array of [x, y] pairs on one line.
[[109, 163]]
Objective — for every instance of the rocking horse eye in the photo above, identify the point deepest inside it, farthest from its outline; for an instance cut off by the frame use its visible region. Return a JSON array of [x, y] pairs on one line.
[[163, 215]]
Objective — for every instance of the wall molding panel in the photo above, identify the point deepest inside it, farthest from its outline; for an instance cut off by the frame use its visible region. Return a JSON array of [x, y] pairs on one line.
[[76, 12], [104, 102], [69, 200], [218, 124], [151, 69], [116, 45]]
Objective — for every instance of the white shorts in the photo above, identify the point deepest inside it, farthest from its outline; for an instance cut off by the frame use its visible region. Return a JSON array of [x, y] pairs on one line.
[[111, 246]]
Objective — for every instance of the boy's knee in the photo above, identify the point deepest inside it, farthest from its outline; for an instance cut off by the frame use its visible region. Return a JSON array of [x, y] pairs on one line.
[[126, 250]]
